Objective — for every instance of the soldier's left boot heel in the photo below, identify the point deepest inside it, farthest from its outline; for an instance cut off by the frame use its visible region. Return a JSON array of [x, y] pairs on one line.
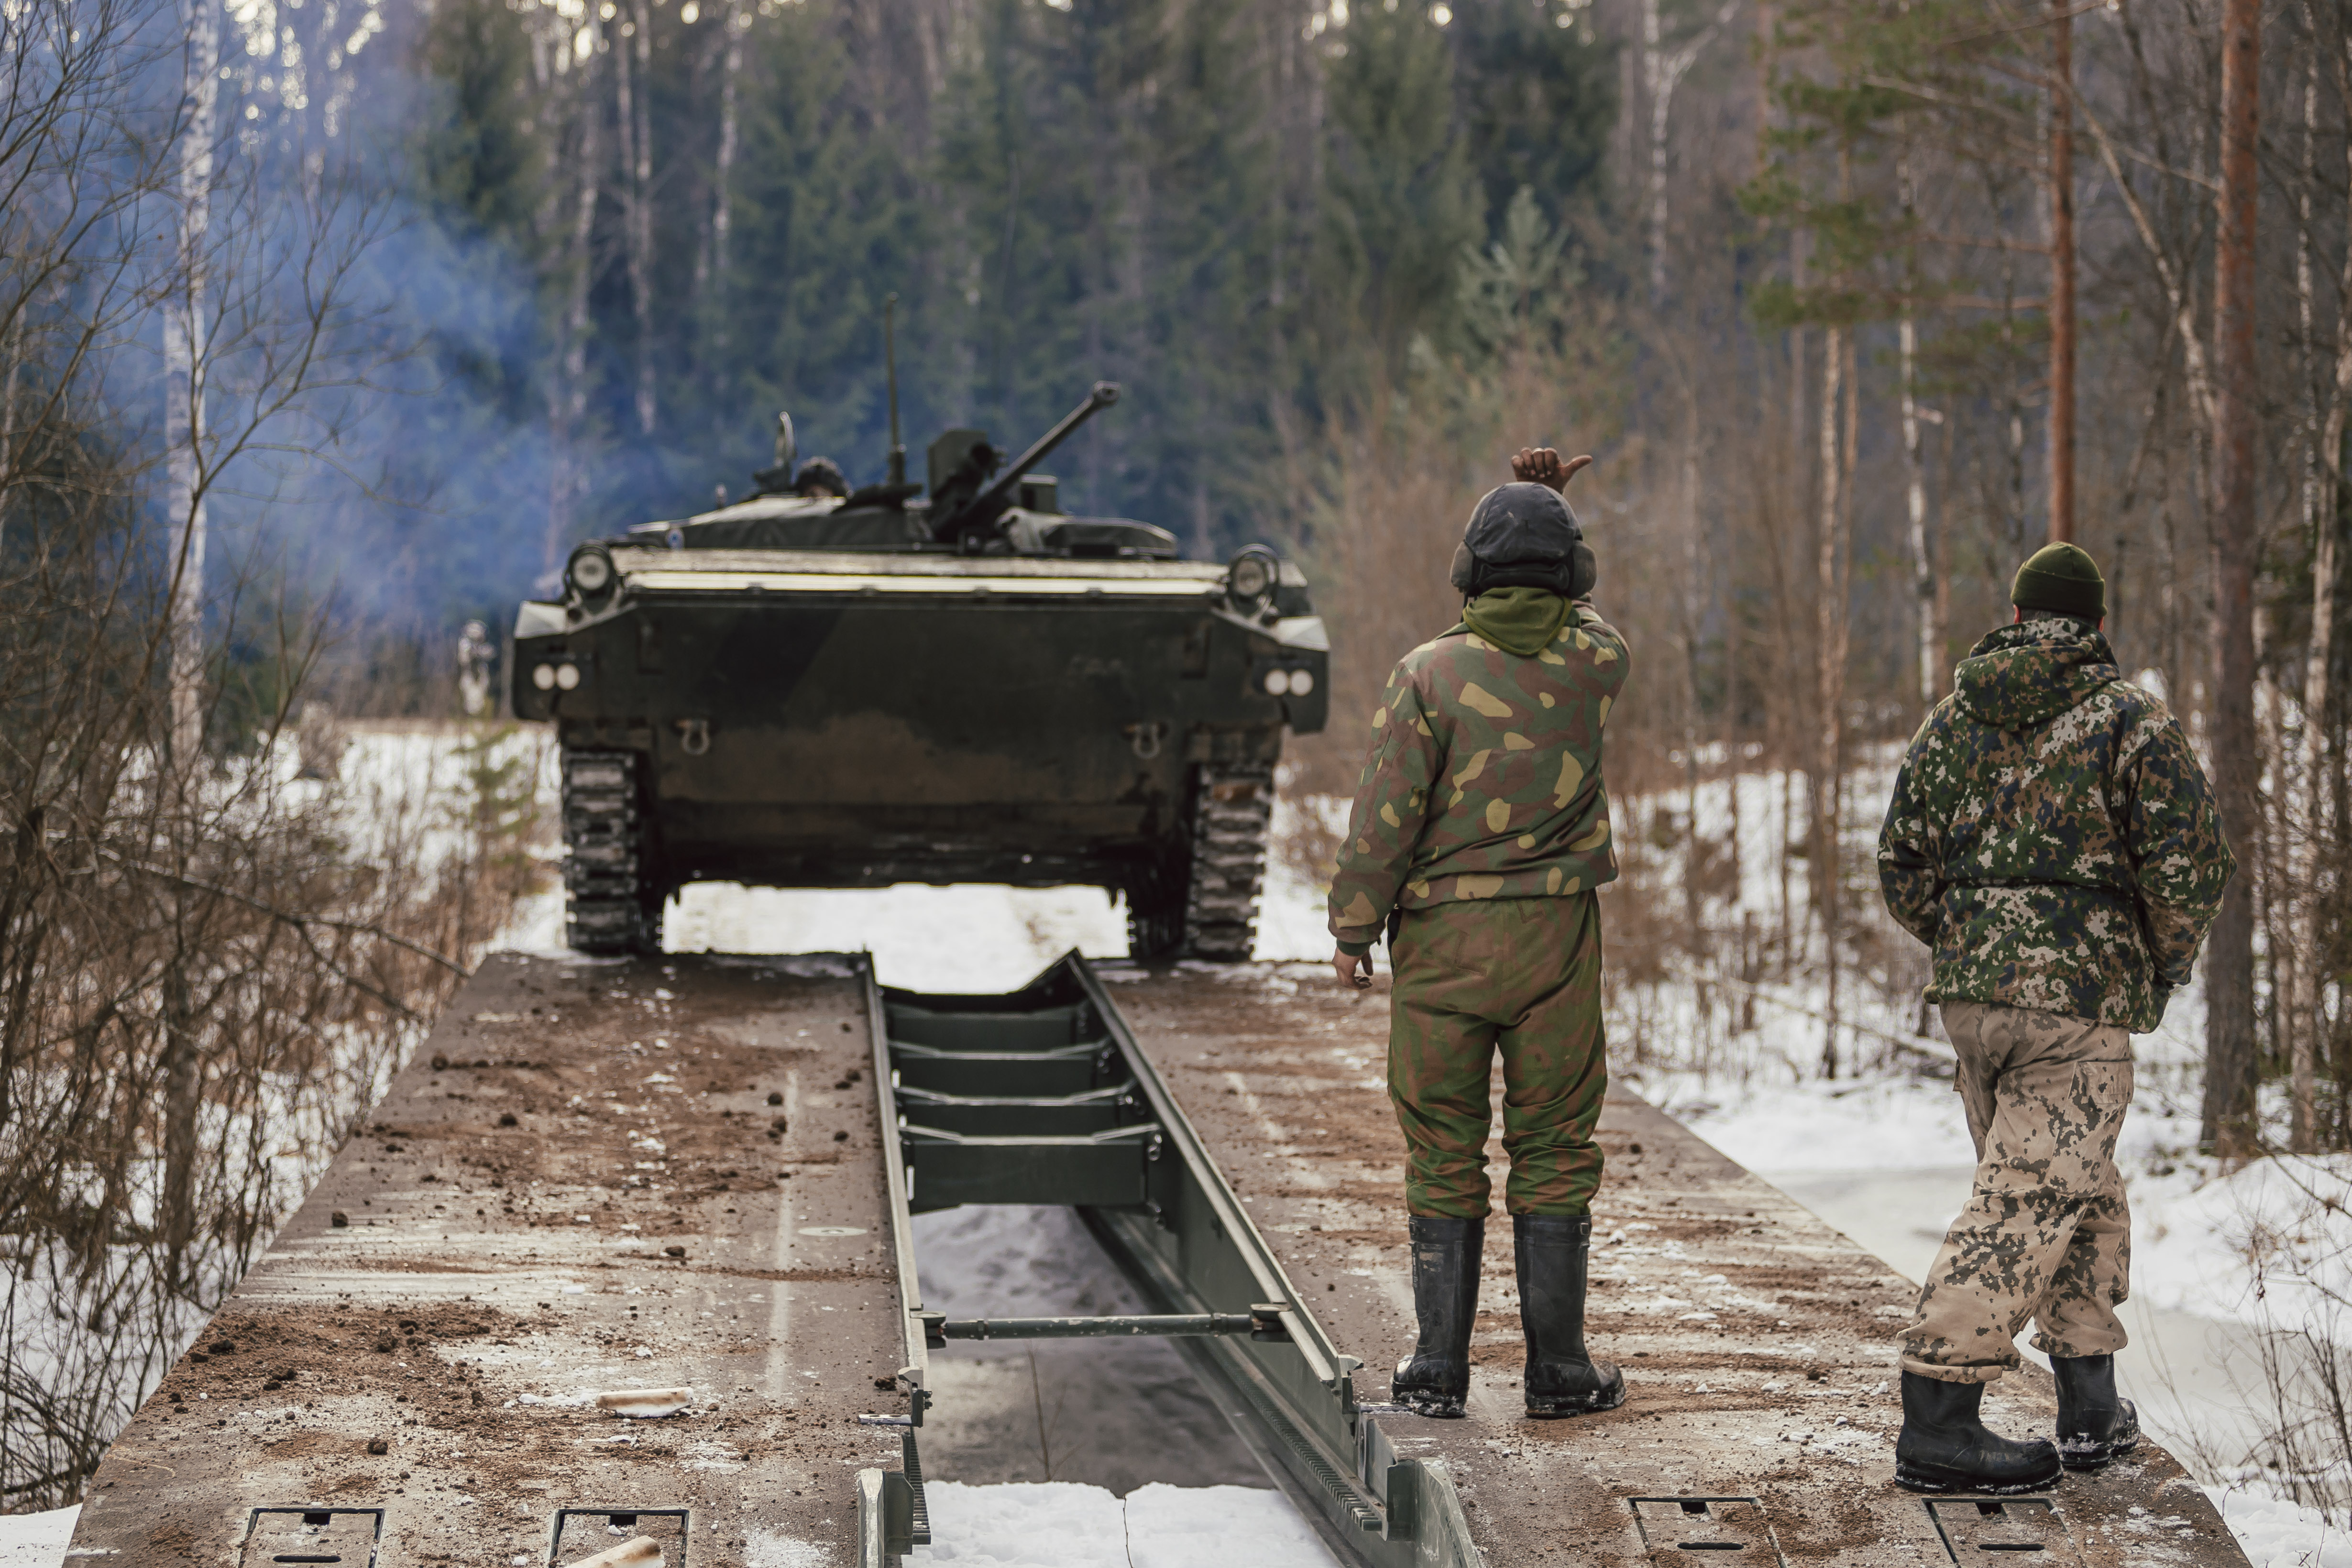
[[1561, 1378], [2096, 1425], [1434, 1380]]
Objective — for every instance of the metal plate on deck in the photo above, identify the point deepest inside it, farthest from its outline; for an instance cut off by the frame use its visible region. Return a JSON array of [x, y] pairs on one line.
[[343, 1535], [2007, 1533], [582, 1533], [1730, 1531]]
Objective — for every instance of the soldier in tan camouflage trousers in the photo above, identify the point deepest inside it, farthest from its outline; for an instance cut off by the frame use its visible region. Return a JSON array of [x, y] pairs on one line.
[[1478, 835], [2053, 839]]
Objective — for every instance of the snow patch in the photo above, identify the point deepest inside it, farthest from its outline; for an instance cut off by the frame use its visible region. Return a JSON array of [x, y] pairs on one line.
[[1062, 1524], [2276, 1534], [39, 1540], [2264, 1244]]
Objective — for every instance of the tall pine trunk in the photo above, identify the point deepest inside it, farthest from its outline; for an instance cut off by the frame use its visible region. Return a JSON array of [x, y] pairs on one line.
[[2228, 1122]]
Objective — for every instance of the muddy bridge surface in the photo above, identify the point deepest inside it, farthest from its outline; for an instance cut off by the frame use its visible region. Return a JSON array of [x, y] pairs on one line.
[[620, 1271]]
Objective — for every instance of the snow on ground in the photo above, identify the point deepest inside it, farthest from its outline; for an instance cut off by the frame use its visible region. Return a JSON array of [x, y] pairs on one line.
[[2266, 1244], [1062, 1524], [1218, 1527], [2277, 1534], [39, 1540], [967, 938]]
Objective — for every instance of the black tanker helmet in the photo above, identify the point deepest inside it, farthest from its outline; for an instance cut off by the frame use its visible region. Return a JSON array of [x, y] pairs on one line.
[[1524, 535], [820, 476]]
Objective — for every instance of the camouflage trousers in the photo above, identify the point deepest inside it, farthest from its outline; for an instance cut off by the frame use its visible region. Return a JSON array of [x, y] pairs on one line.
[[1515, 977], [2046, 1234]]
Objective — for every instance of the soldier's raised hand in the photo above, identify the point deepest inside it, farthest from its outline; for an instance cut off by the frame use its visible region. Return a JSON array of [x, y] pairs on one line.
[[1543, 465]]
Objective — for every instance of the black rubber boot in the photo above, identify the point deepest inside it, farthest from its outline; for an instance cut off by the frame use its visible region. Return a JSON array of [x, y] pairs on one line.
[[1561, 1378], [1435, 1378], [1945, 1445], [2095, 1424]]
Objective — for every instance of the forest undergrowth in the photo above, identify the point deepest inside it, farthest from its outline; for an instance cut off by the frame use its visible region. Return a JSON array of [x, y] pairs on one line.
[[217, 971]]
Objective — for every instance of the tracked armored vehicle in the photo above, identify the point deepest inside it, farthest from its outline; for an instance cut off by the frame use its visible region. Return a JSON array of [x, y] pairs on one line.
[[947, 682]]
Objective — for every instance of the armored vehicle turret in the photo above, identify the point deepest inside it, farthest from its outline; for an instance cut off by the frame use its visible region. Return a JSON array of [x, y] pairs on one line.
[[946, 682]]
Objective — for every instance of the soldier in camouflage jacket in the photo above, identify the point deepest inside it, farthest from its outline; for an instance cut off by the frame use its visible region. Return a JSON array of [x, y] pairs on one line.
[[1478, 835], [2053, 840]]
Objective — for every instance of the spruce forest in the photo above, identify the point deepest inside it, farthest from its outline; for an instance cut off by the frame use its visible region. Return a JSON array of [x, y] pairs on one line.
[[1858, 304]]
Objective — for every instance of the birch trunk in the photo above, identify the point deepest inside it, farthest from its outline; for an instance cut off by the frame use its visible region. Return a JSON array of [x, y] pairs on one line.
[[567, 391], [1915, 468], [2312, 766], [710, 276], [1830, 679], [8, 423], [1693, 608], [184, 378], [1662, 70], [637, 126]]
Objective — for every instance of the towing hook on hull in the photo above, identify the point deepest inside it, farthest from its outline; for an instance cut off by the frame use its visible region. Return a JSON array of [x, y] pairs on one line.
[[694, 735], [1147, 738]]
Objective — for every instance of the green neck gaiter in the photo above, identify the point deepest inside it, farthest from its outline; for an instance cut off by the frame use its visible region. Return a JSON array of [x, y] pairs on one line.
[[1521, 621]]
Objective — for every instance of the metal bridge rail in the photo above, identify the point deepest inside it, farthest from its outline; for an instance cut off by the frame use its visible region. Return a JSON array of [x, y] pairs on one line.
[[1264, 1322], [1044, 1096]]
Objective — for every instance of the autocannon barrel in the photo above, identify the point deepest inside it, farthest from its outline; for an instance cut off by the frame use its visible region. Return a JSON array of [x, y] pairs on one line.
[[991, 503]]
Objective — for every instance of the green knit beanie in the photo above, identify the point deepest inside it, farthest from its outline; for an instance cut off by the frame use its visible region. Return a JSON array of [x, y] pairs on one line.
[[2063, 578]]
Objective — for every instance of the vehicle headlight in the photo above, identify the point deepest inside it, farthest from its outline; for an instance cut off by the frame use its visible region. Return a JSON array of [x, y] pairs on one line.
[[590, 571], [1301, 682], [567, 677], [543, 677], [1277, 683], [1250, 576]]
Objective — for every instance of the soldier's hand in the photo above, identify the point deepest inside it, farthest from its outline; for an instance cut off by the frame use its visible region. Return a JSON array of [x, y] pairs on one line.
[[1353, 968], [1543, 465]]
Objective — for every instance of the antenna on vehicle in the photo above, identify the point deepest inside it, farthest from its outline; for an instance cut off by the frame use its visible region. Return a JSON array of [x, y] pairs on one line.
[[890, 363]]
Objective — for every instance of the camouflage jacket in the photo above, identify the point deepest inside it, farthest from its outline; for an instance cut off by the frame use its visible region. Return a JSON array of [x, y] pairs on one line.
[[1483, 779], [2051, 836]]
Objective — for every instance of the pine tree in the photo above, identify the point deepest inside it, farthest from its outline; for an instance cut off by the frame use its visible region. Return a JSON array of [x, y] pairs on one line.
[[1535, 86], [480, 160], [827, 220], [1399, 202]]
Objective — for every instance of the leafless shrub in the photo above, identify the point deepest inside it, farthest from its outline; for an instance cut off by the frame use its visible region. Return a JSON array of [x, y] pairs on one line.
[[2293, 1372], [209, 963], [209, 970]]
